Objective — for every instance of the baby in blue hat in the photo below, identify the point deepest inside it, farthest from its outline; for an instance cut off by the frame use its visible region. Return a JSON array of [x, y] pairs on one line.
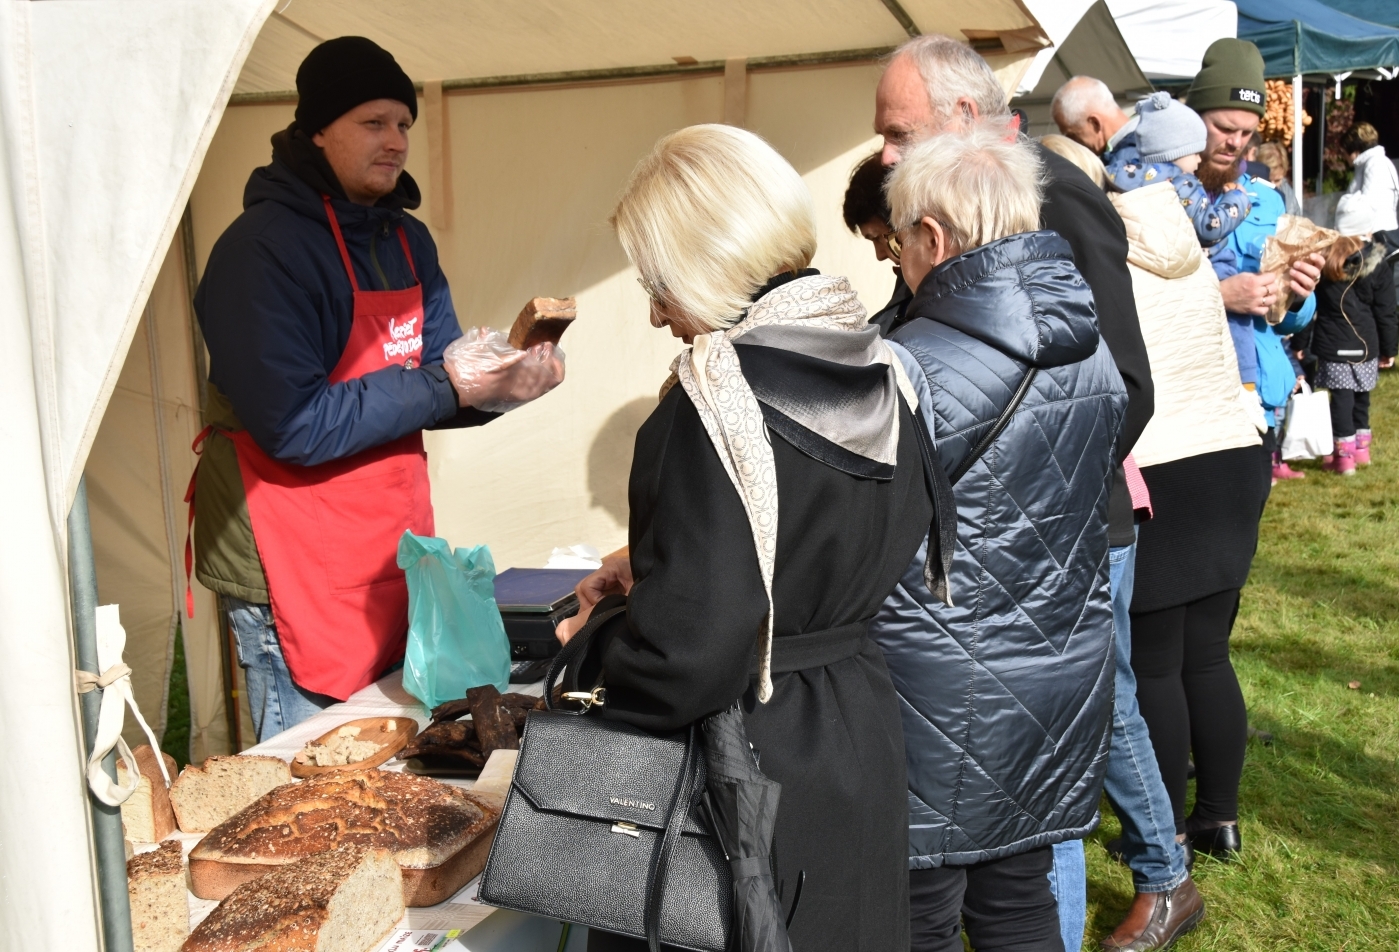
[[1166, 147]]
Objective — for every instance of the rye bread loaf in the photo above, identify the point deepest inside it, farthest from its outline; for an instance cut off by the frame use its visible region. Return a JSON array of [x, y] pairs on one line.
[[439, 834], [345, 900], [146, 816], [203, 797], [155, 883]]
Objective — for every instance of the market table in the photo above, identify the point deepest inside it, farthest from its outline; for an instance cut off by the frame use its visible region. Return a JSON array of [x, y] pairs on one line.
[[483, 928]]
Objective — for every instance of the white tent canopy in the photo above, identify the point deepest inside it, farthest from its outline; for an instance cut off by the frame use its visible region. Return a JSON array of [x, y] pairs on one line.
[[108, 109], [1169, 37]]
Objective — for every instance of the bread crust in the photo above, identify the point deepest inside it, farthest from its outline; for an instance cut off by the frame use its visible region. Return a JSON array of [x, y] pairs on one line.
[[284, 910], [429, 827]]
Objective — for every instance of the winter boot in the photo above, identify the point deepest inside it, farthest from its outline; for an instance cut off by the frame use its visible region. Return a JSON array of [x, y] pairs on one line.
[[1282, 471], [1362, 447], [1342, 461]]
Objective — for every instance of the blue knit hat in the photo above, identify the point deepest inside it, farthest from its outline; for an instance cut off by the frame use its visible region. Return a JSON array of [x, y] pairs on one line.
[[1167, 129]]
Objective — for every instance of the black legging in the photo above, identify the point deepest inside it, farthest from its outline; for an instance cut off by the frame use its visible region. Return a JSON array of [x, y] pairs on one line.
[[1350, 411], [1005, 905], [1190, 698]]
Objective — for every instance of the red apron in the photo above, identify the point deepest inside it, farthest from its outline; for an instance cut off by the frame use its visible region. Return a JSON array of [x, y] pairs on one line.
[[328, 534]]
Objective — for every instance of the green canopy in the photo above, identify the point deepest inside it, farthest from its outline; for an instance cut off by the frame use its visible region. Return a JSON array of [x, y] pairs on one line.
[[1385, 12], [1308, 36]]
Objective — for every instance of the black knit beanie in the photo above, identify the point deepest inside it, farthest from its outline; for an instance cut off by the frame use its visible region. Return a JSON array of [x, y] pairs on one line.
[[1231, 77], [343, 73]]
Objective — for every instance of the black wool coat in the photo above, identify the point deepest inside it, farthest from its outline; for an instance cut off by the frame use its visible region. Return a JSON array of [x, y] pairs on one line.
[[831, 732]]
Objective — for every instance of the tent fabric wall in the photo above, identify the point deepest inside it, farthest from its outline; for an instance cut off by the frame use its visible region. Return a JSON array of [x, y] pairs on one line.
[[528, 221], [137, 473], [105, 111]]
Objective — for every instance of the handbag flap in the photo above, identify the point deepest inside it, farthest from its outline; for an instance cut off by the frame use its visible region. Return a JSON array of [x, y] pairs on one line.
[[604, 770]]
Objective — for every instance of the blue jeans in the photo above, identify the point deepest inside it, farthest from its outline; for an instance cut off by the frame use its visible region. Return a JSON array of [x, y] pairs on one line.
[[275, 699], [1134, 784], [1068, 880]]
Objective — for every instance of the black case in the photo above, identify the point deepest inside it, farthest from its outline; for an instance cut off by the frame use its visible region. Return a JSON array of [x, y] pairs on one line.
[[531, 634]]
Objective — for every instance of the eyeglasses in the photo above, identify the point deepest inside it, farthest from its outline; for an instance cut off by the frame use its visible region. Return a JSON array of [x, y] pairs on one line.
[[654, 293], [896, 246]]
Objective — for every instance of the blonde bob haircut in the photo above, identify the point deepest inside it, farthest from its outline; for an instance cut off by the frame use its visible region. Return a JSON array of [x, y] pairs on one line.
[[709, 217], [980, 184]]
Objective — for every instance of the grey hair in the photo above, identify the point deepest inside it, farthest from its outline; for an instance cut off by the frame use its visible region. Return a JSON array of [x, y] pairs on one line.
[[979, 183], [1079, 98], [951, 70]]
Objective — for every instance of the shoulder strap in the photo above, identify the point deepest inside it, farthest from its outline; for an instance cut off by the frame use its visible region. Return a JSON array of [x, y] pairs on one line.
[[942, 534], [996, 428], [686, 791]]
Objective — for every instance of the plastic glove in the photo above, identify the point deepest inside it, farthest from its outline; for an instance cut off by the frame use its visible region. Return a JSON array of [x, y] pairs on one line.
[[491, 375]]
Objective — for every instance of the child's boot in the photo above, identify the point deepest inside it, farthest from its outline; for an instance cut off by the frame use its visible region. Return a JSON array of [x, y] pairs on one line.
[[1282, 471], [1362, 447], [1342, 461]]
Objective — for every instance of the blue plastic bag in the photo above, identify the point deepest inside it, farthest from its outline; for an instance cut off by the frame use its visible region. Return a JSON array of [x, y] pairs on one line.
[[456, 639]]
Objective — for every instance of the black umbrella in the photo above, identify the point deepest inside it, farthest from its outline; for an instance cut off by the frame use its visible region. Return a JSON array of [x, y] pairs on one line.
[[743, 810]]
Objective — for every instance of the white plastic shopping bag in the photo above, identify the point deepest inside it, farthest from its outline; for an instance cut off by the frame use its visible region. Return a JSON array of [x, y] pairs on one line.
[[1308, 431]]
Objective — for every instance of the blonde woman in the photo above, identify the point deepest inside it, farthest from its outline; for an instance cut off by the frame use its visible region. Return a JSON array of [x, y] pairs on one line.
[[777, 493]]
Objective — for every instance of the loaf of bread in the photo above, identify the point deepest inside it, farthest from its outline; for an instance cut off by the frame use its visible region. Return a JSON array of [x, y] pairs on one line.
[[345, 900], [203, 797], [439, 834], [155, 882], [146, 816], [543, 319]]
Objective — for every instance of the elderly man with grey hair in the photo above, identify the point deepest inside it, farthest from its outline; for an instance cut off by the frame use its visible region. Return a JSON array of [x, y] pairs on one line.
[[1084, 110], [934, 84]]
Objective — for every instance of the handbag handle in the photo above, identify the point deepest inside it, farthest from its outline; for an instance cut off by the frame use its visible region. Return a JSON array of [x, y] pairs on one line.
[[577, 646], [680, 806], [996, 428]]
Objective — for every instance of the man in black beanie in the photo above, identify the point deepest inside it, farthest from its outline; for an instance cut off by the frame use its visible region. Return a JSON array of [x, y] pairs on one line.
[[326, 315]]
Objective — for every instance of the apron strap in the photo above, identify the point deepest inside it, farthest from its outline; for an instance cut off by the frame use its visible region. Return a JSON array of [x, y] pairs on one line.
[[198, 447], [340, 242], [407, 252]]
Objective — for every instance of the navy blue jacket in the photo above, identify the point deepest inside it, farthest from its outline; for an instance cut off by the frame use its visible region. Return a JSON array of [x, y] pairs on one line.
[[275, 307], [1007, 696]]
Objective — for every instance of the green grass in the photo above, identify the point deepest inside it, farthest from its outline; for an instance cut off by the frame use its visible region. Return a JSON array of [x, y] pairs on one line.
[[1319, 809], [177, 717]]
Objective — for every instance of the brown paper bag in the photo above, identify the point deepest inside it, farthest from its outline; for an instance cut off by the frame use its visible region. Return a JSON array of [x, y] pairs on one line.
[[1295, 238]]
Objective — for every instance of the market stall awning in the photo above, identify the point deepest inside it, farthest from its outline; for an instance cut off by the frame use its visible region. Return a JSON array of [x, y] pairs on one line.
[[1385, 12], [1168, 38], [474, 43], [1298, 37]]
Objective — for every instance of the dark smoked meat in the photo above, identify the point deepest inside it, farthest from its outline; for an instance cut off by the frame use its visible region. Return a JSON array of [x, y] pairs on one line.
[[495, 727]]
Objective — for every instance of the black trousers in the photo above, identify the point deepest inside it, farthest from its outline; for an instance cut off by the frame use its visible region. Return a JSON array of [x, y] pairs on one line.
[[1005, 905], [1350, 411], [1191, 701]]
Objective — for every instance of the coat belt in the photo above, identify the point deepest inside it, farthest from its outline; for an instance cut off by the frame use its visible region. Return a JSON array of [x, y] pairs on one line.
[[816, 649]]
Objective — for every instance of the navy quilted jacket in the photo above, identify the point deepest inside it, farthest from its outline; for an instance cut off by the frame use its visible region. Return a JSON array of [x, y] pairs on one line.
[[1007, 696]]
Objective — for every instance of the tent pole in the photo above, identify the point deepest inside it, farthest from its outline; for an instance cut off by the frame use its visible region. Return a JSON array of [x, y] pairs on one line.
[[108, 842], [1297, 137], [1321, 146]]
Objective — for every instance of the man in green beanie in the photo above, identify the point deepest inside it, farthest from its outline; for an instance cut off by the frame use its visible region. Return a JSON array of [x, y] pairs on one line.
[[1230, 97]]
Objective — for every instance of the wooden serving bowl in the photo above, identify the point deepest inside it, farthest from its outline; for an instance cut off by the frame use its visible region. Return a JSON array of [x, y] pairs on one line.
[[375, 730]]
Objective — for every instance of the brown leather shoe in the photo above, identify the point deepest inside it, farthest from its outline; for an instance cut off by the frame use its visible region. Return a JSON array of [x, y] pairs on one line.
[[1157, 920]]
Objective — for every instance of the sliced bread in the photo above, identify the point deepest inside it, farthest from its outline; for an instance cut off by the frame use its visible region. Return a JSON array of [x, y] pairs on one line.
[[155, 882], [146, 816], [203, 797], [345, 900]]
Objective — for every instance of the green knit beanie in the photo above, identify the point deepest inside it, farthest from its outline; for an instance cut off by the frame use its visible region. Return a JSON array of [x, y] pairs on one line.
[[1230, 78]]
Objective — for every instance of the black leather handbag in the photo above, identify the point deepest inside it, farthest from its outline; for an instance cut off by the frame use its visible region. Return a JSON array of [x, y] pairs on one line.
[[601, 828]]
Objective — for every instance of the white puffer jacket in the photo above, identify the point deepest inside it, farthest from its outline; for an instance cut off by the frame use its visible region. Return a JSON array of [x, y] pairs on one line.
[[1201, 407]]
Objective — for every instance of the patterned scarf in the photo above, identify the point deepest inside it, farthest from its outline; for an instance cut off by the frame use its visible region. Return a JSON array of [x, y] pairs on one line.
[[812, 310]]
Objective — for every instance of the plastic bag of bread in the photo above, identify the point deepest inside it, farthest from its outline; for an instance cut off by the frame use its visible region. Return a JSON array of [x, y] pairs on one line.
[[491, 375]]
